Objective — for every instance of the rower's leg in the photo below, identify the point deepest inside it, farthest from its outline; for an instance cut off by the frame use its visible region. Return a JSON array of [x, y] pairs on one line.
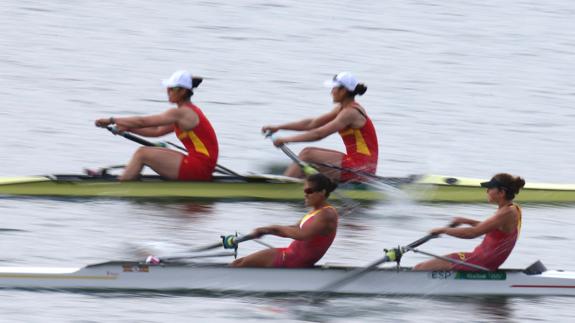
[[262, 258], [434, 264], [163, 161], [318, 155]]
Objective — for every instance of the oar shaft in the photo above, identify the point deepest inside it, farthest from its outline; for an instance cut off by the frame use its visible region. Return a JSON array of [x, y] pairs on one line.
[[353, 275], [291, 155], [395, 182], [455, 261], [186, 257], [391, 255], [131, 137], [423, 240], [228, 242]]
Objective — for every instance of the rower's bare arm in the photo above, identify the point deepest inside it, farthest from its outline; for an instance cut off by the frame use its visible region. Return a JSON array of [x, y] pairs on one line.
[[333, 126], [481, 228], [159, 124], [283, 231], [304, 124], [153, 131], [460, 220]]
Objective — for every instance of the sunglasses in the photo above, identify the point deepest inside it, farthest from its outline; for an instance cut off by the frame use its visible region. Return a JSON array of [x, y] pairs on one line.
[[310, 190]]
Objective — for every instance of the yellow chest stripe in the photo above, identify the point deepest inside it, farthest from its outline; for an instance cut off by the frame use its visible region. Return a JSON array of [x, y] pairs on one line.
[[196, 141], [310, 215], [360, 144]]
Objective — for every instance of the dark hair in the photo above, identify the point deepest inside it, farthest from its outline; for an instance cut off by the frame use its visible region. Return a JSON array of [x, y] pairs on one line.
[[510, 184], [321, 183], [196, 81], [360, 89]]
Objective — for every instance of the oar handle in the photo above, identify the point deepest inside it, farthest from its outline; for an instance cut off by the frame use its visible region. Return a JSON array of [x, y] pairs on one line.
[[132, 137], [423, 240], [228, 242]]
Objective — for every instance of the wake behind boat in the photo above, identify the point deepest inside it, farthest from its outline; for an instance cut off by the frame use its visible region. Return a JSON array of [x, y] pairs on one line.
[[177, 277], [421, 188]]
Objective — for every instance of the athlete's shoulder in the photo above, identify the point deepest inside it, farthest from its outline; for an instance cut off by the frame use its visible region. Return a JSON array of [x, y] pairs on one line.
[[329, 211]]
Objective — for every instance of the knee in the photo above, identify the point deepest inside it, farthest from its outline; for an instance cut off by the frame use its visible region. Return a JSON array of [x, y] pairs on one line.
[[306, 154], [142, 153]]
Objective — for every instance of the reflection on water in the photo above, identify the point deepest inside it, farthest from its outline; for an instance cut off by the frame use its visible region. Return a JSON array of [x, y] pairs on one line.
[[184, 210]]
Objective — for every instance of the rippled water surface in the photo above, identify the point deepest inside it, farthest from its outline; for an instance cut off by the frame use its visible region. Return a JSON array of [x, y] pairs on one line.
[[457, 88]]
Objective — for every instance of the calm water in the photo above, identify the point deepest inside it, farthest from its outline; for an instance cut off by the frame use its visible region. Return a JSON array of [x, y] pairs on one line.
[[459, 88]]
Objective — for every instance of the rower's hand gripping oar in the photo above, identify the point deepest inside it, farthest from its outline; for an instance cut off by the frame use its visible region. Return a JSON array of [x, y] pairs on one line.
[[393, 255], [228, 242]]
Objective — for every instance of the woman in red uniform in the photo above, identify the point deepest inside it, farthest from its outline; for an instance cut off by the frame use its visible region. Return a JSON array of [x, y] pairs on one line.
[[190, 125], [350, 120], [501, 230], [312, 235]]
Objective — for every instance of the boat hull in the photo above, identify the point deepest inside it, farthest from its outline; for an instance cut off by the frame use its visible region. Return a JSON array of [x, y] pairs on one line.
[[134, 276], [430, 188]]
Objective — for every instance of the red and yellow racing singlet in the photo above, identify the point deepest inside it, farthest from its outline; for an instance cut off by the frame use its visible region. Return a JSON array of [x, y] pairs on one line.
[[307, 252], [202, 146], [493, 250], [361, 148]]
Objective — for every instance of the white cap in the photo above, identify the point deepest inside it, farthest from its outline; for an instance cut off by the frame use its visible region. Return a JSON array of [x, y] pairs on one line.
[[344, 79], [179, 79]]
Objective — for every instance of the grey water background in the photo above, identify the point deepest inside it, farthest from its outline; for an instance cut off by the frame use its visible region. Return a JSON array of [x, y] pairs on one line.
[[462, 88]]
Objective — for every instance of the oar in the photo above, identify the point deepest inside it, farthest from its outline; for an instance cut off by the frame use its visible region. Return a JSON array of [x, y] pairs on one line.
[[307, 169], [390, 255], [134, 138], [454, 261], [269, 246], [147, 143], [395, 182], [187, 257], [228, 242]]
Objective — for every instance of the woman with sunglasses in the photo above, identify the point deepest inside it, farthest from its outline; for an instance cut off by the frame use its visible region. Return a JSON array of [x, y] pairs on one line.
[[190, 125], [312, 235], [501, 230], [350, 120]]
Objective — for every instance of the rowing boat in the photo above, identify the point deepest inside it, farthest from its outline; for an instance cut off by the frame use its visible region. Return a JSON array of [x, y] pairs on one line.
[[424, 188], [134, 276]]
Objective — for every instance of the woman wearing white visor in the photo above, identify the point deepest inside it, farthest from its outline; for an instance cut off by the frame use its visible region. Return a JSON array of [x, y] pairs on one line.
[[350, 120], [190, 125]]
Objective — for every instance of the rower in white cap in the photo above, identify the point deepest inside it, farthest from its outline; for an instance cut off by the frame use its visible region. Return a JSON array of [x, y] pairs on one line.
[[350, 120], [190, 125]]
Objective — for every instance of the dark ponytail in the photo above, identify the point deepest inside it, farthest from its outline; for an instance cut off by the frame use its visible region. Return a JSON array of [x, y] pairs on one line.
[[196, 81], [511, 184], [360, 89]]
